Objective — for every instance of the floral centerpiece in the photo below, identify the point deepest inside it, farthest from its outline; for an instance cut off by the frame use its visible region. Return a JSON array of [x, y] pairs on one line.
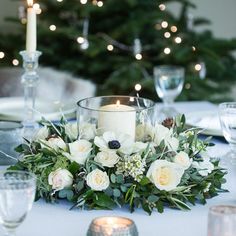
[[166, 165]]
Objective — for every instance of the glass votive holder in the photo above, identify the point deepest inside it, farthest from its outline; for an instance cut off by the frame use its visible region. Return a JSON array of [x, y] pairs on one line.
[[222, 220], [10, 137], [112, 226], [119, 114]]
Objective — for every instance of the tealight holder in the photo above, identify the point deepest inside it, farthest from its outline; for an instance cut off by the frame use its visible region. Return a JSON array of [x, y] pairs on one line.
[[112, 226], [118, 114], [30, 80]]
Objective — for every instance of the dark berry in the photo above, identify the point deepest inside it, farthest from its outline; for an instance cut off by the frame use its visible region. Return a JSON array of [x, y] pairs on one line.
[[114, 144]]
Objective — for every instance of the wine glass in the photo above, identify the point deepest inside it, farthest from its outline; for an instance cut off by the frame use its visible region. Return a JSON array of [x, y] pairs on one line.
[[227, 115], [17, 192], [222, 220], [169, 81]]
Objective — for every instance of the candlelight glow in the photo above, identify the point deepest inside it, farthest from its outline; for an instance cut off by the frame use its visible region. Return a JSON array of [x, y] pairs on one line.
[[30, 3], [118, 103]]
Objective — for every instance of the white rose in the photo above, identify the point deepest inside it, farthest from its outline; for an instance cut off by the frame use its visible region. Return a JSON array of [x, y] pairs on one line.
[[165, 175], [87, 131], [204, 167], [98, 180], [60, 178], [161, 133], [144, 132], [107, 158], [183, 159], [71, 130], [79, 151], [41, 134], [172, 143], [139, 147], [55, 143]]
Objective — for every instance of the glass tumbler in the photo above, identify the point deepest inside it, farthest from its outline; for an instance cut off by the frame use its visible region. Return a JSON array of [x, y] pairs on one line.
[[222, 220]]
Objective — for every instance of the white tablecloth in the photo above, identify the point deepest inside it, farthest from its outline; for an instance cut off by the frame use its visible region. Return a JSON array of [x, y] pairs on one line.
[[57, 220]]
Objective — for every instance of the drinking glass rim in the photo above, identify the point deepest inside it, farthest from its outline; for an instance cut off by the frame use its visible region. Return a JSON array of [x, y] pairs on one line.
[[31, 175], [118, 96], [224, 104], [219, 210], [173, 67]]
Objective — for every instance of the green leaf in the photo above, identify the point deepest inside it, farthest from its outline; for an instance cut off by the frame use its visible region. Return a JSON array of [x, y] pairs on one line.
[[153, 198], [74, 168], [66, 193], [144, 181], [113, 178], [116, 193], [120, 179], [104, 201]]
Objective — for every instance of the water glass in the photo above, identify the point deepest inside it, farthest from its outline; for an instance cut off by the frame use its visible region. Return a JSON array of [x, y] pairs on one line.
[[227, 115], [222, 220], [169, 81], [17, 192]]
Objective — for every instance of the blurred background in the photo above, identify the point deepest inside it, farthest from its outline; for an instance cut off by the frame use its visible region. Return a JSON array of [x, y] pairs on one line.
[[116, 44]]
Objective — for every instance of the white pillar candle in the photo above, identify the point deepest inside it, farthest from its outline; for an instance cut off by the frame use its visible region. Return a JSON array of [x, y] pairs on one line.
[[31, 41], [117, 118]]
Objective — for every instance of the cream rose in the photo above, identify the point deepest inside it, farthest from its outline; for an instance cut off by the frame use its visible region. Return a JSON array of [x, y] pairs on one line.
[[79, 151], [55, 143], [98, 180], [107, 158], [165, 175], [183, 159], [60, 178], [71, 130]]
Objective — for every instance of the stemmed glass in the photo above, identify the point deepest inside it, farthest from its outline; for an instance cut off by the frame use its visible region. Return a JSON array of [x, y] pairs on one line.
[[227, 115], [17, 192], [169, 81]]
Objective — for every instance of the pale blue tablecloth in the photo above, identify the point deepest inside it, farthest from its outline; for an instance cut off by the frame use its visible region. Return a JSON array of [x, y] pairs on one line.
[[57, 220]]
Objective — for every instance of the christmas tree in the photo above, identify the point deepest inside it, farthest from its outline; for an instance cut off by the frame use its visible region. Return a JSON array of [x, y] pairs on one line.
[[117, 44]]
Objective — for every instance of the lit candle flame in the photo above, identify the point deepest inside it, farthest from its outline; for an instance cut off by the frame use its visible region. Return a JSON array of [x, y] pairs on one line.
[[30, 3], [118, 103]]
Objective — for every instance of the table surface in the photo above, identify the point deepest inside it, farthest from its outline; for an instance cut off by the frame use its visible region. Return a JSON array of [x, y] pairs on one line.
[[56, 219]]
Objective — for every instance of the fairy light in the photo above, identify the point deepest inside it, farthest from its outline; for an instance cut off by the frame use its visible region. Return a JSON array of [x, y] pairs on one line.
[[52, 27], [198, 67], [162, 7], [99, 3], [15, 62], [110, 47], [167, 51], [138, 87], [167, 35], [193, 48], [2, 55], [187, 86], [164, 24], [173, 29], [138, 56], [23, 21], [36, 6], [94, 2], [83, 1], [60, 0], [178, 40], [80, 40]]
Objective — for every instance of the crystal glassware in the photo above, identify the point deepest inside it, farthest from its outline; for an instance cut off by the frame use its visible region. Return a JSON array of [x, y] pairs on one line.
[[17, 192], [169, 81], [227, 115], [112, 226], [119, 114], [30, 82], [222, 220]]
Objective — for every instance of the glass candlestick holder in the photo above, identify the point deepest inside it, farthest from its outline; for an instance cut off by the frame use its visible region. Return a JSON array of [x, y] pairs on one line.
[[30, 80], [117, 114]]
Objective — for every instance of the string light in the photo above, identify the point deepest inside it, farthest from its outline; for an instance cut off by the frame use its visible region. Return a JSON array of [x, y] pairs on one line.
[[94, 2], [162, 7], [193, 48], [15, 62], [36, 6], [198, 67], [85, 44], [23, 21], [164, 24], [60, 0], [137, 87], [188, 86], [173, 29], [52, 27], [139, 56], [178, 40], [167, 51], [167, 35], [83, 1], [80, 40], [99, 3], [2, 55], [110, 47]]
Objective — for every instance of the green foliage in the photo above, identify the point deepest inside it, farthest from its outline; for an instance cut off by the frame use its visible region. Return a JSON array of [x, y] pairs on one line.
[[118, 71]]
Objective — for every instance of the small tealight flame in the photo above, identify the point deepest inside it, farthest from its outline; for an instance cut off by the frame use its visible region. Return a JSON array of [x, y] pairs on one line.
[[30, 3], [118, 103]]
